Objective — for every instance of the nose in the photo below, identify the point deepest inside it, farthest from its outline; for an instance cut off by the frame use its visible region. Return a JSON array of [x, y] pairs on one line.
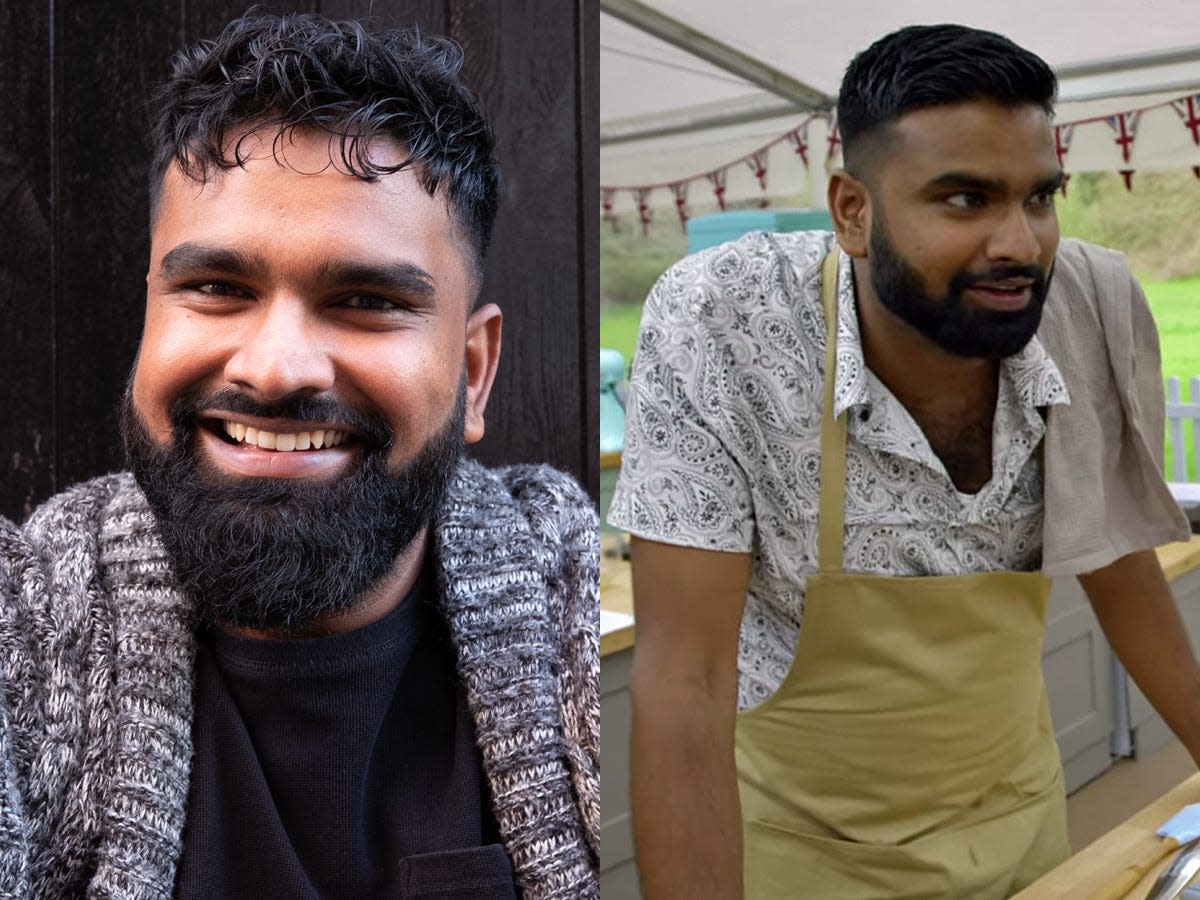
[[281, 352], [1015, 237]]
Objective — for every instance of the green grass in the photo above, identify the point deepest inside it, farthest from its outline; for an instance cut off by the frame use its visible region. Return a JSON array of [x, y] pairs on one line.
[[1176, 309], [1175, 305], [619, 328]]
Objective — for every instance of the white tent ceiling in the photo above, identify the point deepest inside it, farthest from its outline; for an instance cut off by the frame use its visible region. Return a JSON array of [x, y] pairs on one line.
[[689, 87]]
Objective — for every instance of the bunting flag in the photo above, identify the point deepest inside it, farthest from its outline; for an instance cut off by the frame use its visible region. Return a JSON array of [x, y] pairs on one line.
[[834, 139], [1125, 126], [643, 207], [1121, 127], [606, 204], [717, 180], [798, 138], [1062, 142], [1187, 108], [680, 190], [758, 165]]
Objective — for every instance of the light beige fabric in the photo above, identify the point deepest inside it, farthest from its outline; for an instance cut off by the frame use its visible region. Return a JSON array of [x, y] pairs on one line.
[[1104, 492]]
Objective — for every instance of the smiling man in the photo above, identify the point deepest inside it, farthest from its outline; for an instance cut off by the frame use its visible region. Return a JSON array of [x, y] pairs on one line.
[[850, 461], [307, 649]]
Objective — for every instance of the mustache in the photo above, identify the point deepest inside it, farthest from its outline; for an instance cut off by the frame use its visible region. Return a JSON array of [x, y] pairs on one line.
[[314, 408], [1000, 273]]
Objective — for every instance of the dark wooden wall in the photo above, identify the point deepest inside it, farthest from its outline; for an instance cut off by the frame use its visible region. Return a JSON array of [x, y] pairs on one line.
[[73, 218]]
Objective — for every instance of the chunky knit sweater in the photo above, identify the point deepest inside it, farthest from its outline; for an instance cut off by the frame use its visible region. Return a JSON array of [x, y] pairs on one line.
[[97, 651]]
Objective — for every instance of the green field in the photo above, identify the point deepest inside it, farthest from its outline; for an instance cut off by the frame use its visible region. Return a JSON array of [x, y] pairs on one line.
[[1176, 308], [1175, 304]]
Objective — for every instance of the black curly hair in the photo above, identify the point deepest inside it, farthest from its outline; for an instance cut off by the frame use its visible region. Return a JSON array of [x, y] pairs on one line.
[[932, 65], [304, 71]]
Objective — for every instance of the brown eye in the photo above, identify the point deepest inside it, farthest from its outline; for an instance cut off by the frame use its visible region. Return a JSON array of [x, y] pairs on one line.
[[217, 289], [966, 200], [371, 302]]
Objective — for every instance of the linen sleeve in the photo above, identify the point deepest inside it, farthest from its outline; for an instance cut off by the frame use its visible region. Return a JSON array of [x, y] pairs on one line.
[[681, 481], [1102, 336]]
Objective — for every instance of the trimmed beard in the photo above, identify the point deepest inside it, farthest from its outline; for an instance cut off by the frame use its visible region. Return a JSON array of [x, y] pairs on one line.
[[274, 553], [949, 321]]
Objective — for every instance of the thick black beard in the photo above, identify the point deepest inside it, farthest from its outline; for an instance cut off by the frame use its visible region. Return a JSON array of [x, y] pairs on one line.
[[949, 321], [267, 553]]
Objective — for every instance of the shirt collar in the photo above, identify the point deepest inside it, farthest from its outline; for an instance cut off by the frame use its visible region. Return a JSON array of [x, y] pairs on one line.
[[1033, 374]]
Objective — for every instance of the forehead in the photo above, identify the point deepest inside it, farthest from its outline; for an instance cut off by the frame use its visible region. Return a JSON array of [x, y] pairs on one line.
[[978, 137], [291, 201]]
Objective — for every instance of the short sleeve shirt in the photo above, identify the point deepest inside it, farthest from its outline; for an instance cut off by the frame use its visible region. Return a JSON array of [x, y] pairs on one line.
[[722, 443]]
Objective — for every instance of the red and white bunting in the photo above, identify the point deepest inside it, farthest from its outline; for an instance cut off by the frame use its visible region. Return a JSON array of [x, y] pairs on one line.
[[798, 138], [717, 180], [1125, 126], [643, 207], [758, 165], [1062, 142], [834, 140], [680, 190], [1187, 109]]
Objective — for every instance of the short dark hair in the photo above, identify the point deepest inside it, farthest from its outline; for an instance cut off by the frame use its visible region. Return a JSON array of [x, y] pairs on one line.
[[933, 65], [304, 71]]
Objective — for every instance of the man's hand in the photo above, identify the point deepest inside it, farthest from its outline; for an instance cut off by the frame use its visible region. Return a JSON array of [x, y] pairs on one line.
[[1133, 602], [686, 816]]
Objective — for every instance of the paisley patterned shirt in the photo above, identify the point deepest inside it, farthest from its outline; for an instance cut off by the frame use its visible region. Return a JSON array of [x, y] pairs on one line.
[[722, 443]]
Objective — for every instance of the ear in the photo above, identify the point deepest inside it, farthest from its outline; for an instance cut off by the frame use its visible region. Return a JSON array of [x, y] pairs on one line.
[[850, 207], [483, 355]]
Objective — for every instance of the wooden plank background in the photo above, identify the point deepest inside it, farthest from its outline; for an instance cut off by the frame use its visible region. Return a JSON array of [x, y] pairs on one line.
[[73, 218]]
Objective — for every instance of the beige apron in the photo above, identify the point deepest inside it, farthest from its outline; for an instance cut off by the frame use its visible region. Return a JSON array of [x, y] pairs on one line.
[[908, 752]]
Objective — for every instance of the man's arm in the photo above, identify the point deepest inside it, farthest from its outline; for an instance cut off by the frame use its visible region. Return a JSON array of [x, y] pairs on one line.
[[686, 815], [1137, 612]]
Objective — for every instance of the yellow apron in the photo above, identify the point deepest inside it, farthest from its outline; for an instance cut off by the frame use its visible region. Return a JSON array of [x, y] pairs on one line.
[[909, 751]]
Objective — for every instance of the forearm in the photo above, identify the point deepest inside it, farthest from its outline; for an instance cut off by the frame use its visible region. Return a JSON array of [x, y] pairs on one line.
[[686, 815], [1134, 606]]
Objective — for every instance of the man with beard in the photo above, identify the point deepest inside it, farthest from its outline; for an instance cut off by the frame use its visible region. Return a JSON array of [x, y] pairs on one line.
[[847, 458], [307, 649]]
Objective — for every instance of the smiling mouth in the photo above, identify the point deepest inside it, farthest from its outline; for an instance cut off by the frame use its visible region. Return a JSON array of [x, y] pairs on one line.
[[279, 441]]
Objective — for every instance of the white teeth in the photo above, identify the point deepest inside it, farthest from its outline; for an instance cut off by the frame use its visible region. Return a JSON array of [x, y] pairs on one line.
[[285, 441]]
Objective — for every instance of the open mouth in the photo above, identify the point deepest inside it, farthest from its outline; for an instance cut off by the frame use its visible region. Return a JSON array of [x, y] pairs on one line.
[[240, 434]]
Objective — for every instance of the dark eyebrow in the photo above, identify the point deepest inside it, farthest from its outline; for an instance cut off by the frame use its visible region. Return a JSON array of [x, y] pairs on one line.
[[402, 277], [189, 258], [964, 181]]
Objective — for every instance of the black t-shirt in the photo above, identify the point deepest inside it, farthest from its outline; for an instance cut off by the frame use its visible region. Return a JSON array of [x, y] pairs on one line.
[[339, 767]]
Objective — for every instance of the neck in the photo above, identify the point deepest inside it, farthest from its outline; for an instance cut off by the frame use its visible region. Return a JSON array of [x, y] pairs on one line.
[[915, 369], [382, 598]]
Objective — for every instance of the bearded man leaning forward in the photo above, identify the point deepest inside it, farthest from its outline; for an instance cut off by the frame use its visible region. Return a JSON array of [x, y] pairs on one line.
[[850, 461], [307, 649]]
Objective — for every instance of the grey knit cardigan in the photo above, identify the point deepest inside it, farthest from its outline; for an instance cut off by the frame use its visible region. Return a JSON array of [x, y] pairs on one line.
[[97, 652]]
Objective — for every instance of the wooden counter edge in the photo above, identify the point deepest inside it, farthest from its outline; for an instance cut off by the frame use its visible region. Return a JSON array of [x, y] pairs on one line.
[[1099, 863], [616, 641], [1179, 558]]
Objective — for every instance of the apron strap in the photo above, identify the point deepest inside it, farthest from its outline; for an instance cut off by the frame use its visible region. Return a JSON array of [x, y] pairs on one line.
[[831, 521]]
